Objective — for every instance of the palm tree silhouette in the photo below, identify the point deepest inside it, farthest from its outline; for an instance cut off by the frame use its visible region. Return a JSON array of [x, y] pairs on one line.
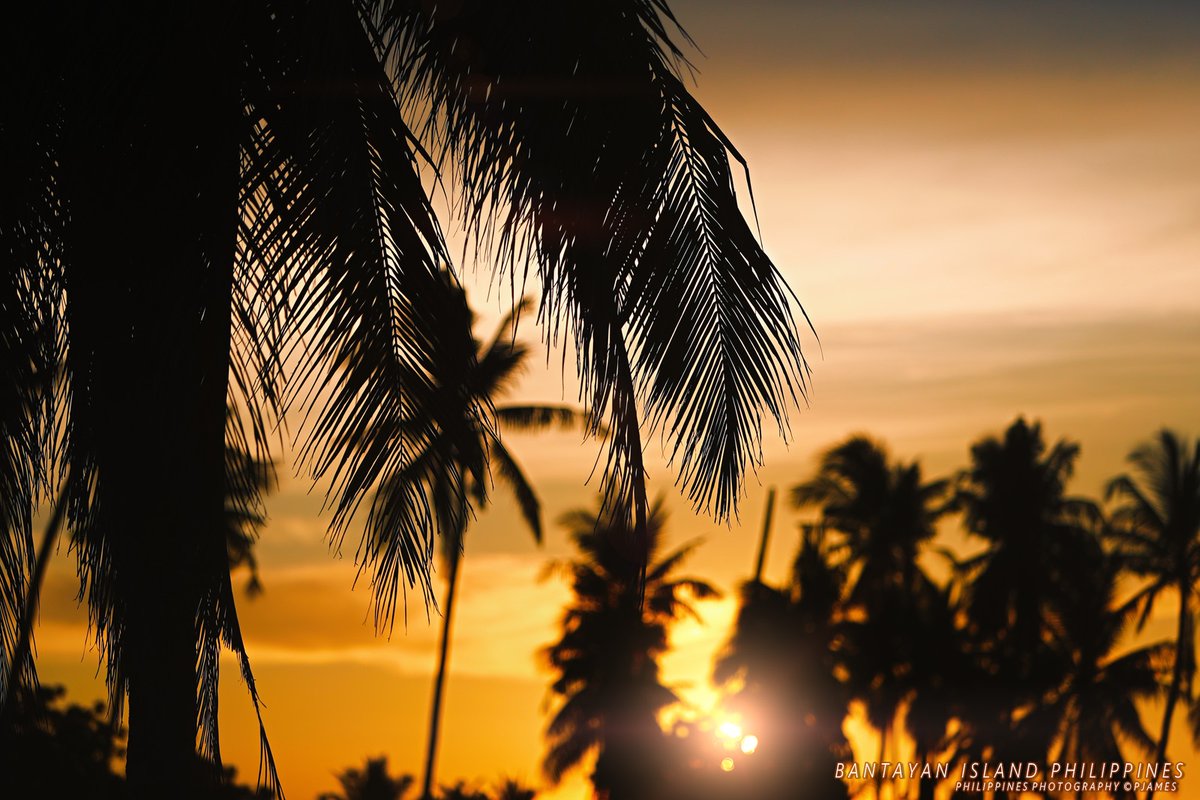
[[784, 655], [943, 668], [372, 781], [512, 789], [1037, 537], [606, 660], [487, 373], [1095, 707], [884, 513], [1156, 530], [462, 791], [225, 201]]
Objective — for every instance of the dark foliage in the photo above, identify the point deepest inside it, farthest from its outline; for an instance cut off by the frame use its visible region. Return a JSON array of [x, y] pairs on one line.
[[220, 206], [607, 691]]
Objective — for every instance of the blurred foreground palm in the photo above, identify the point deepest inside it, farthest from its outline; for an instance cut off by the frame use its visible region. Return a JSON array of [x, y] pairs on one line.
[[220, 205]]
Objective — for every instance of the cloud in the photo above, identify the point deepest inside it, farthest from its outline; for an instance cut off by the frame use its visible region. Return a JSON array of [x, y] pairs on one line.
[[503, 613]]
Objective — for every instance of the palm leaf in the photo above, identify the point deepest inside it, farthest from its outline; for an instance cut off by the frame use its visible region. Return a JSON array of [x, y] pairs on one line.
[[596, 165], [507, 469], [533, 418], [349, 254], [31, 341]]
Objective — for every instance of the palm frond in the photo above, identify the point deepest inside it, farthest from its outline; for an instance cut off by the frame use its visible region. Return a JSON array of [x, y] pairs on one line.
[[350, 253], [506, 329], [31, 341], [597, 165], [531, 418], [507, 469]]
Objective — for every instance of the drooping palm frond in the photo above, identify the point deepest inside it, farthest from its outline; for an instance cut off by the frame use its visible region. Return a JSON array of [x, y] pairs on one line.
[[23, 470], [507, 469], [540, 417], [352, 288], [595, 164], [248, 478], [31, 335]]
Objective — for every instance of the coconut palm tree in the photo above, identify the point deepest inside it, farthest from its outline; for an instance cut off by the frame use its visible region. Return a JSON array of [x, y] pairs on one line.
[[512, 789], [222, 205], [1094, 710], [883, 513], [1038, 539], [371, 782], [488, 373], [784, 658], [1156, 530], [605, 664], [462, 791], [942, 668]]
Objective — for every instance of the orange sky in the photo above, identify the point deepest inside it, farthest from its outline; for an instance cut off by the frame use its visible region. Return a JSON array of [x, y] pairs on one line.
[[987, 210]]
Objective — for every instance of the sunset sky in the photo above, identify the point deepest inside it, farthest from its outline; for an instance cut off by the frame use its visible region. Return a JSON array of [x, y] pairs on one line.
[[987, 209]]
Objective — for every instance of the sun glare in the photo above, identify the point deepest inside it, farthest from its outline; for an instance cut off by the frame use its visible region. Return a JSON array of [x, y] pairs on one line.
[[729, 730]]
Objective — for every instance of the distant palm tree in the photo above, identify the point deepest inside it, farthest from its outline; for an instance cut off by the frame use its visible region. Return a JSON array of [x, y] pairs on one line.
[[606, 673], [481, 379], [370, 782], [1095, 708], [512, 789], [1156, 530], [884, 513], [784, 655], [943, 671], [213, 200], [462, 791], [1038, 540]]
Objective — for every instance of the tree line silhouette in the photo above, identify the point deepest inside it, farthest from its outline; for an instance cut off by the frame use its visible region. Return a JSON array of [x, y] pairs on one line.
[[1023, 650]]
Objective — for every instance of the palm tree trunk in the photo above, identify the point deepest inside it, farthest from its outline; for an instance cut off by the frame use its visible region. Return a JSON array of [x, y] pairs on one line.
[[883, 732], [154, 168], [439, 682], [761, 561], [926, 787], [1173, 693]]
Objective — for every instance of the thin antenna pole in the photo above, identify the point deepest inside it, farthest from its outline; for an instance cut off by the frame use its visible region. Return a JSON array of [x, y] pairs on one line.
[[766, 536]]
